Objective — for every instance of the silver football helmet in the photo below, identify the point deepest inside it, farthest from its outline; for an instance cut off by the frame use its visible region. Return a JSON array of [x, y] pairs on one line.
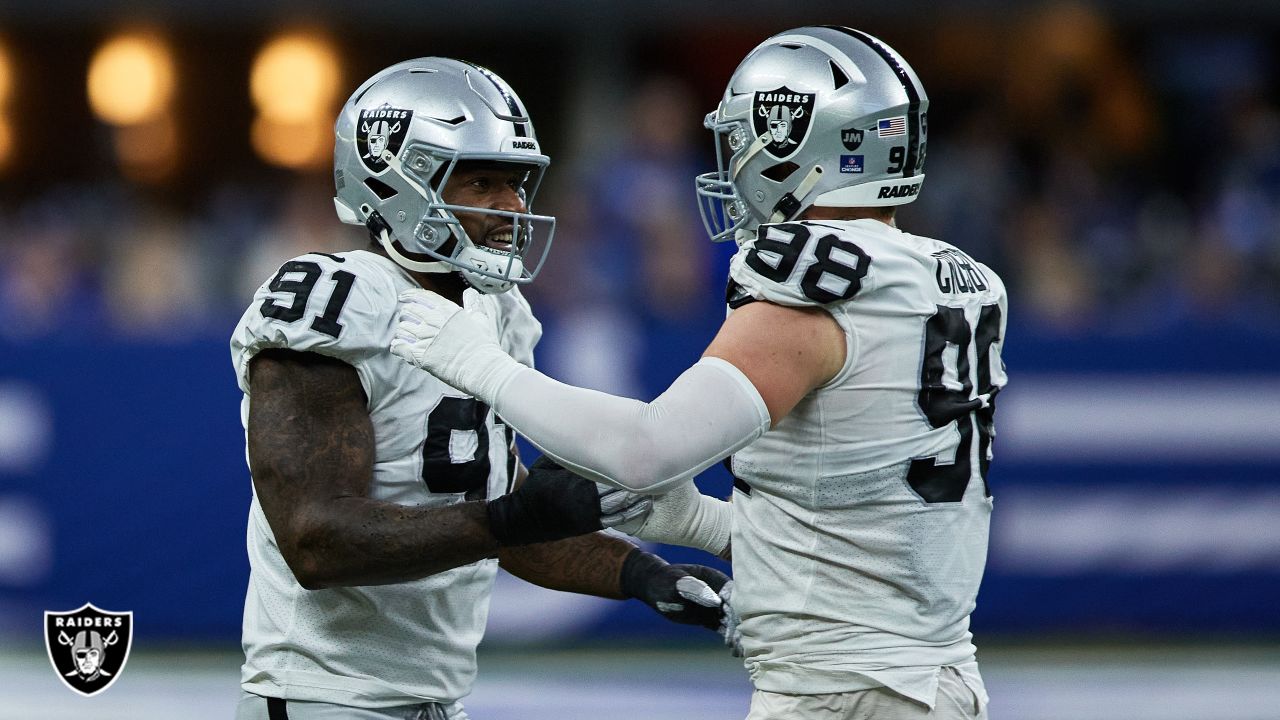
[[398, 140], [825, 116]]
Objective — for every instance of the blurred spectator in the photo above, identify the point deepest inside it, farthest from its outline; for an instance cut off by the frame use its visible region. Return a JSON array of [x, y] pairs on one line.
[[155, 283], [50, 256], [633, 261], [303, 222], [1124, 177]]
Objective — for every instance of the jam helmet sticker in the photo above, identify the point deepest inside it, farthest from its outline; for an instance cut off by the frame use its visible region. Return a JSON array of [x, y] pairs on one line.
[[784, 114], [852, 138], [381, 129]]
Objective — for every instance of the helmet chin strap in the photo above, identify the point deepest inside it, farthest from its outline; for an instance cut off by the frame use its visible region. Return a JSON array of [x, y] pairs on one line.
[[477, 258], [791, 203], [756, 147], [416, 265]]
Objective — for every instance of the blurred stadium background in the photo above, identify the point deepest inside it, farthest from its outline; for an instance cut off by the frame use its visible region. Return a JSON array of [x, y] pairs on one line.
[[1117, 162]]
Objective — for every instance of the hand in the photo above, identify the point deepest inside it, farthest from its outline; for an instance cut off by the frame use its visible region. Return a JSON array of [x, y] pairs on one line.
[[620, 507], [685, 517], [730, 621], [684, 594], [553, 504], [458, 346]]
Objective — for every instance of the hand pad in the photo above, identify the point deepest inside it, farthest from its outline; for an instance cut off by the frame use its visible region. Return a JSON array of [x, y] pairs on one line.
[[684, 594]]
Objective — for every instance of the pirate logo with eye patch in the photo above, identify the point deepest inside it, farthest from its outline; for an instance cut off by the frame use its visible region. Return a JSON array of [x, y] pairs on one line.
[[784, 115], [381, 130], [88, 647]]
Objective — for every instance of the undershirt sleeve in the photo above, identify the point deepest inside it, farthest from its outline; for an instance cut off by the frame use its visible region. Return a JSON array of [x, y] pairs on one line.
[[711, 411]]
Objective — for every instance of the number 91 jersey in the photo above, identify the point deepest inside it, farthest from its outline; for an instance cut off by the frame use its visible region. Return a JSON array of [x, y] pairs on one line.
[[862, 517], [380, 645]]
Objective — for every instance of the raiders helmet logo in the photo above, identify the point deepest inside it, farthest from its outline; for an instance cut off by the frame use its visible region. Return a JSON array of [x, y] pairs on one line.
[[88, 647], [784, 114], [381, 130]]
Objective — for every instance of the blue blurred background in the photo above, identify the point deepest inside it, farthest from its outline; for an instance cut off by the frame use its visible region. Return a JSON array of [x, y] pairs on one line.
[[1117, 162]]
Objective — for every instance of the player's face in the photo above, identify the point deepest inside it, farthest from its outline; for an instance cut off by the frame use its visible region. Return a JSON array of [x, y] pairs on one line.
[[489, 186]]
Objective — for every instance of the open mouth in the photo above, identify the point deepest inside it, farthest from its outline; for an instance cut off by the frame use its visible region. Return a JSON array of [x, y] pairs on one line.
[[500, 240]]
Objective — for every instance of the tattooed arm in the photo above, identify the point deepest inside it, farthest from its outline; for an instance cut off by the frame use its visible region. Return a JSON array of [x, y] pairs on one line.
[[610, 567], [311, 452], [588, 564]]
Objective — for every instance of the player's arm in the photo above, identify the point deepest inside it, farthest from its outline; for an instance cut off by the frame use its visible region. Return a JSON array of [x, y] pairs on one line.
[[785, 352], [610, 567], [765, 359], [311, 452]]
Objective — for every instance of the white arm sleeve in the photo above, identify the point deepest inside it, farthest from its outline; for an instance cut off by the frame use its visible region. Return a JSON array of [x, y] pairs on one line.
[[711, 411]]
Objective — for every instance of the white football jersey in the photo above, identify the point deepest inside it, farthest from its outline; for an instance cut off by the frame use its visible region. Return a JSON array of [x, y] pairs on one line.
[[382, 645], [861, 519]]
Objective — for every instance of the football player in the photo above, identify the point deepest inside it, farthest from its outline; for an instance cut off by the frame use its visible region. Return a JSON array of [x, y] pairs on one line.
[[384, 499], [852, 385]]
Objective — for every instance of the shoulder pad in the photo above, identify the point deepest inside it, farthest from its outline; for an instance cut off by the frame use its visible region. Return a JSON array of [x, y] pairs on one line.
[[800, 264], [337, 305]]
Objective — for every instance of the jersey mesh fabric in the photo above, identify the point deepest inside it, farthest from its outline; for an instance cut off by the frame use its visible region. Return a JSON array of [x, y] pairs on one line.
[[384, 645], [846, 577]]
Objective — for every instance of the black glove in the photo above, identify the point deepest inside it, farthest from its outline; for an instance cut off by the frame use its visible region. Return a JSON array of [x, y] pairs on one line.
[[552, 504], [680, 593]]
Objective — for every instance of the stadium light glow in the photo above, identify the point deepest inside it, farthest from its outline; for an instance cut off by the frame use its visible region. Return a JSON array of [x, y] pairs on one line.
[[6, 126], [298, 146], [131, 79], [294, 85], [294, 78], [148, 152], [6, 76], [6, 142]]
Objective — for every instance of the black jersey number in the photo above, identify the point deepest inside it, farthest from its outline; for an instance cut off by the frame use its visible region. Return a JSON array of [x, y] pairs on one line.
[[947, 338], [301, 288], [454, 426], [835, 273]]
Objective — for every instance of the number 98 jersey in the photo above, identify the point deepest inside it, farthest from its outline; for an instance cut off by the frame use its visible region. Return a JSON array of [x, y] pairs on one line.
[[861, 518], [381, 645]]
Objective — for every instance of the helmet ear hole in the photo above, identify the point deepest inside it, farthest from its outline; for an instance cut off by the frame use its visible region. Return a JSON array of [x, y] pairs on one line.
[[382, 190], [780, 172], [838, 78]]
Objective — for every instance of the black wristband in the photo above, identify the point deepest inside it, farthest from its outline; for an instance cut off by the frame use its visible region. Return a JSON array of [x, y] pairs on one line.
[[552, 504], [638, 570]]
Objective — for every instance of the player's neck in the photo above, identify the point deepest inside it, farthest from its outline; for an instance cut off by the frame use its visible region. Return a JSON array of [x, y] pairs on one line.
[[450, 285], [884, 215]]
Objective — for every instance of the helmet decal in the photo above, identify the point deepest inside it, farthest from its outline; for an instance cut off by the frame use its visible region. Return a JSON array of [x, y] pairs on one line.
[[849, 122], [380, 129], [851, 137], [784, 115]]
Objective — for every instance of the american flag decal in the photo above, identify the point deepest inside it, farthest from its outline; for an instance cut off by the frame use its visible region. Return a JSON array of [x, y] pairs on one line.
[[892, 127]]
